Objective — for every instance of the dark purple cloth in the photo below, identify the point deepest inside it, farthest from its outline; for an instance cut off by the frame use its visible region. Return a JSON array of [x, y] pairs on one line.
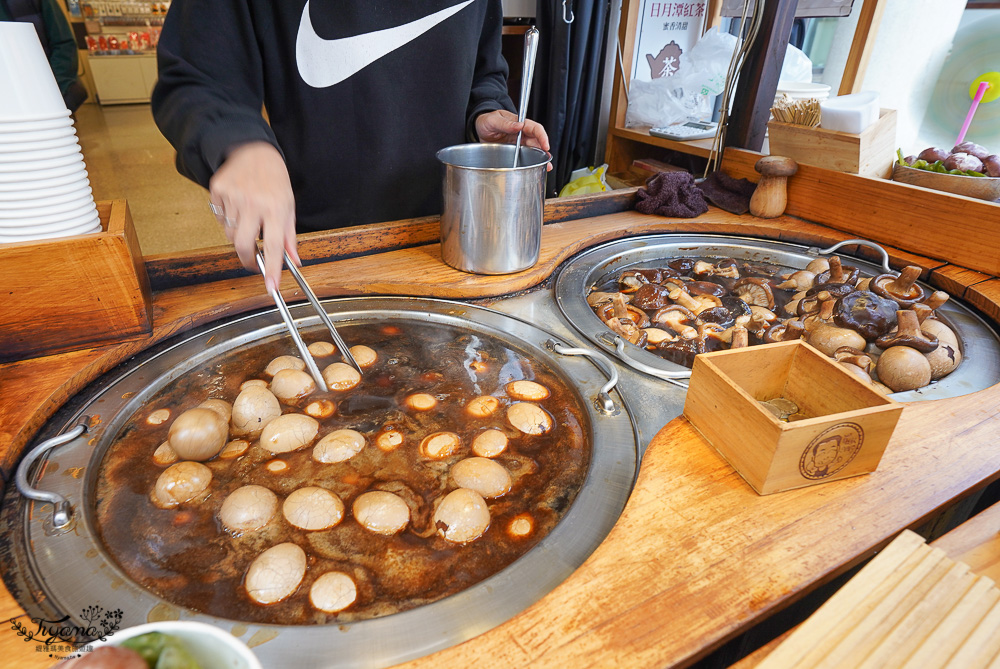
[[728, 193], [672, 194]]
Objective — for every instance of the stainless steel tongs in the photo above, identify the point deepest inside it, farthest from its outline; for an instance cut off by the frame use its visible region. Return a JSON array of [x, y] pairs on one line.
[[287, 316], [290, 322]]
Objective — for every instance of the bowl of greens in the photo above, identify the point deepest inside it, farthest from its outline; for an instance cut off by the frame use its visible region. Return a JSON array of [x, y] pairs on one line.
[[174, 644], [967, 169]]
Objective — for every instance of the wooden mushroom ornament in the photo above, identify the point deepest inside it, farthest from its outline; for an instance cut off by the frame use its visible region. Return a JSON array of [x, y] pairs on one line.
[[770, 197]]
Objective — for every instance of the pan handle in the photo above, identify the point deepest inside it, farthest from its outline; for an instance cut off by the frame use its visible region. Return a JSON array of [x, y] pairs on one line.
[[62, 511], [815, 251], [603, 401], [616, 342]]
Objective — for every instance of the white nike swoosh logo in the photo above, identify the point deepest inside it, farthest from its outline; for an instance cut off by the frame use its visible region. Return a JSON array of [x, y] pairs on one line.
[[324, 62]]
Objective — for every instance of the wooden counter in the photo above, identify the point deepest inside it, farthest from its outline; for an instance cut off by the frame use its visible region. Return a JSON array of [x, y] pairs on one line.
[[697, 557]]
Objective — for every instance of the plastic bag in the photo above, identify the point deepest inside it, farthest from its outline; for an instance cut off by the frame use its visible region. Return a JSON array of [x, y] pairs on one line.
[[690, 93], [796, 68], [586, 180]]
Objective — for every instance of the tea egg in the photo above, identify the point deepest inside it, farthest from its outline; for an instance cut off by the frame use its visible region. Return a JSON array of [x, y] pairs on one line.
[[276, 573], [221, 407], [180, 483], [234, 449], [381, 512], [290, 384], [421, 402], [521, 526], [389, 440], [489, 443], [462, 516], [253, 409], [164, 454], [485, 476], [289, 433], [313, 508], [284, 362], [364, 355], [440, 445], [333, 591], [529, 418], [248, 508], [198, 434], [321, 409], [527, 390], [276, 466], [322, 349], [338, 446], [158, 417], [483, 406], [341, 376], [249, 383]]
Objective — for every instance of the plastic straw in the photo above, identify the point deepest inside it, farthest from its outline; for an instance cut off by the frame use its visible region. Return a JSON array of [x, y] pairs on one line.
[[983, 87]]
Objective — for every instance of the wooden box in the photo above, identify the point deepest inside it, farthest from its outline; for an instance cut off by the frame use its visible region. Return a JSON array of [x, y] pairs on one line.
[[847, 430], [870, 154], [70, 293]]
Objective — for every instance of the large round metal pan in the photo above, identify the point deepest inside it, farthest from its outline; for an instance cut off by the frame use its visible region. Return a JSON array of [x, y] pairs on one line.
[[980, 367], [56, 574]]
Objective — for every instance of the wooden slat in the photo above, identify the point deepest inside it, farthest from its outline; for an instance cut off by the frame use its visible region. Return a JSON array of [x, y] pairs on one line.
[[956, 280], [862, 45], [949, 636], [171, 270], [925, 222], [905, 550], [985, 296], [976, 542]]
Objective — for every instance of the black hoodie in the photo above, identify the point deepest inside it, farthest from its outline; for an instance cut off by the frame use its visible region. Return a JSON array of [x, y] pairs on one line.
[[360, 94]]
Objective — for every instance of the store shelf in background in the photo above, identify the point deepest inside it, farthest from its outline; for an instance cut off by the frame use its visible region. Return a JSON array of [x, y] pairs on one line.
[[124, 79]]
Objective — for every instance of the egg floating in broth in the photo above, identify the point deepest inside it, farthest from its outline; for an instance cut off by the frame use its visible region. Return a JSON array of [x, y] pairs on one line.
[[253, 409], [292, 384], [276, 573], [248, 508], [198, 434], [381, 512], [462, 516], [313, 509], [333, 591], [180, 483], [267, 500]]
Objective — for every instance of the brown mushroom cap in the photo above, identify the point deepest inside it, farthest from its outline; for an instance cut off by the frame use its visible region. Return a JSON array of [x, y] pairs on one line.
[[903, 289], [776, 166]]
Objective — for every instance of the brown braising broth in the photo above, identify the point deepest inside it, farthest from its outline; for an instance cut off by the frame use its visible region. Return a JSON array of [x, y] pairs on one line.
[[185, 556]]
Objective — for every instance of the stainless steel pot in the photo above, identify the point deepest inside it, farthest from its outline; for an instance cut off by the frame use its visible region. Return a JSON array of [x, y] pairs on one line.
[[56, 569], [492, 218]]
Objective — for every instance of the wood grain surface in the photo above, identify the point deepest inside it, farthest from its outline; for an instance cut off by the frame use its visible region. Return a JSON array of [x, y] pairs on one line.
[[975, 543], [920, 220], [697, 556]]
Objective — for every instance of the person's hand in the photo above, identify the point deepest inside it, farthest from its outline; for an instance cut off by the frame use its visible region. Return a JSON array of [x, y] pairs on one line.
[[252, 194], [501, 127]]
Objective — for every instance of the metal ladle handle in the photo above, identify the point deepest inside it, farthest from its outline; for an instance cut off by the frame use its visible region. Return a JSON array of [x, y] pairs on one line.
[[618, 343], [604, 403], [62, 511], [530, 51], [860, 242]]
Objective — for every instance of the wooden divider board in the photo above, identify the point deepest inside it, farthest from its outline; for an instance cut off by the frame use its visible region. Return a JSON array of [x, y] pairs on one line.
[[910, 606], [940, 225]]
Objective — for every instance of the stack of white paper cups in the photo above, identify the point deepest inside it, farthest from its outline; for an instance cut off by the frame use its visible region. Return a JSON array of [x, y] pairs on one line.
[[44, 190]]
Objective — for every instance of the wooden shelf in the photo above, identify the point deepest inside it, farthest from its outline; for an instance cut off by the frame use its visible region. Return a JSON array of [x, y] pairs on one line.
[[695, 147]]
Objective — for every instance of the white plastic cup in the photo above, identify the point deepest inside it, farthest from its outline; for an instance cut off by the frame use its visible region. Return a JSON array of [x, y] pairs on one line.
[[30, 92]]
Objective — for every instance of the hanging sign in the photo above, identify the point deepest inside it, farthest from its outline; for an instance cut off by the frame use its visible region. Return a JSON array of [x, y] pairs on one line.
[[665, 31]]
